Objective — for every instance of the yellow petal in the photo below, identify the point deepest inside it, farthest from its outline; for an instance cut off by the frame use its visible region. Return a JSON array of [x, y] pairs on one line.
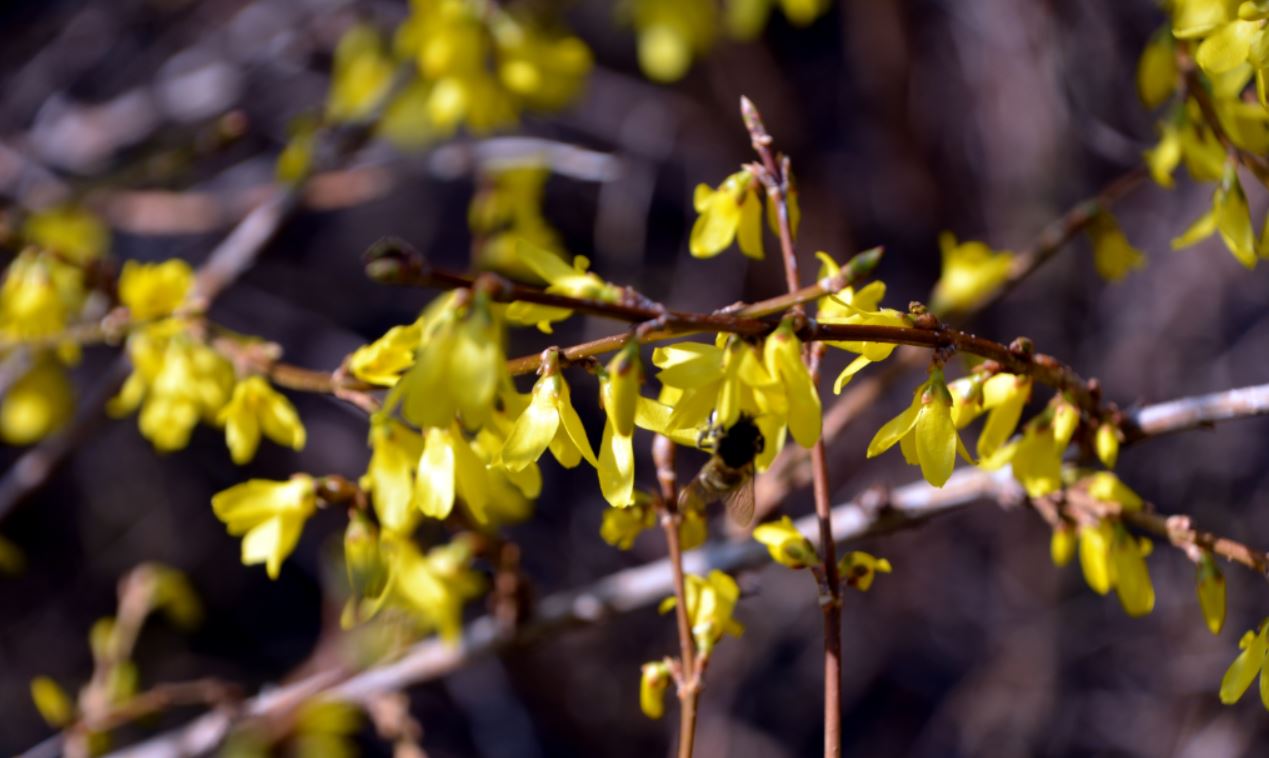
[[1240, 674], [894, 430], [51, 701], [936, 441], [616, 467], [1132, 578], [434, 482], [749, 232], [1095, 557], [1211, 593], [532, 433]]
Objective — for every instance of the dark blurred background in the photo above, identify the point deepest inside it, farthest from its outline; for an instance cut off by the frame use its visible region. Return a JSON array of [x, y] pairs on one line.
[[903, 118]]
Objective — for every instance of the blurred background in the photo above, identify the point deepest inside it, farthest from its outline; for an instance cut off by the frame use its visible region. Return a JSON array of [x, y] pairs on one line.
[[903, 118]]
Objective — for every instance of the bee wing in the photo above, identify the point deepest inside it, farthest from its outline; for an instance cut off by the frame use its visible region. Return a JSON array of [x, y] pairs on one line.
[[740, 502], [694, 497]]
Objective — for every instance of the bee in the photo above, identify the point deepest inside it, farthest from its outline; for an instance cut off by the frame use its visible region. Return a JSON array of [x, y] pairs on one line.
[[728, 474]]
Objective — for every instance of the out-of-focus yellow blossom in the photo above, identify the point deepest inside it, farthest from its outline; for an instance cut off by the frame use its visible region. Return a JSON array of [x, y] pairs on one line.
[[395, 454], [432, 588], [803, 12], [1230, 216], [510, 492], [548, 421], [621, 526], [711, 601], [924, 431], [1249, 664], [1165, 156], [1108, 488], [295, 162], [1157, 73], [268, 515], [1062, 545], [543, 72], [11, 558], [619, 394], [1110, 556], [972, 271], [383, 361], [506, 214], [74, 233], [1113, 255], [1107, 443], [1197, 18], [361, 74], [405, 122], [1037, 457], [154, 290], [255, 407], [745, 19], [653, 681], [786, 544], [39, 296], [172, 594], [782, 355], [1211, 593], [671, 32], [447, 468], [39, 403], [731, 212], [366, 568], [458, 369], [858, 569], [562, 279], [325, 728], [52, 702]]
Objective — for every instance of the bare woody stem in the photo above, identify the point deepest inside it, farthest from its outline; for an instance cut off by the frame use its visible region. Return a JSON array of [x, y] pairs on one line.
[[775, 177]]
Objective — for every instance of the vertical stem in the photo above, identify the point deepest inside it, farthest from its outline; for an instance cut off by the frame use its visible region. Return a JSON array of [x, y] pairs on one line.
[[776, 179], [689, 679]]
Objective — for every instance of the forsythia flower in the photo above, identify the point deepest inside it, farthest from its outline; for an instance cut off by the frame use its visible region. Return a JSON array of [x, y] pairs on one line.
[[154, 290], [548, 421], [1211, 593], [924, 431], [856, 307], [733, 211], [1037, 457], [562, 279], [361, 75], [1230, 216], [653, 681], [324, 727], [39, 296], [670, 33], [619, 393], [383, 361], [1113, 255], [1107, 443], [782, 354], [52, 702], [431, 587], [256, 407], [73, 233], [710, 603], [37, 404], [1157, 73], [971, 273], [621, 526], [449, 467], [505, 215], [1249, 663], [786, 544], [268, 515], [389, 479], [1003, 396], [1062, 545], [858, 569], [1110, 556]]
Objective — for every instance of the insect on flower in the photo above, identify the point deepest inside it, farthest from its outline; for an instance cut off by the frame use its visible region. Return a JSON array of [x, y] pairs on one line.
[[728, 474]]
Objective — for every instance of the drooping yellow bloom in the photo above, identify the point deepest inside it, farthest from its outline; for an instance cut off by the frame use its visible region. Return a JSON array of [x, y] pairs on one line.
[[1107, 443], [1230, 216], [711, 601], [782, 355], [505, 215], [925, 432], [268, 515], [256, 407], [542, 71], [1062, 545], [971, 273], [1157, 74], [1036, 458], [1113, 255], [653, 681], [360, 76], [383, 361], [52, 702], [325, 727], [561, 279], [39, 296], [786, 544], [432, 587], [39, 403], [447, 468], [1249, 663], [548, 421], [670, 33], [619, 394], [731, 212], [72, 232], [154, 290], [1003, 397], [1131, 577], [850, 306], [858, 569], [1211, 593], [366, 568], [621, 526], [1110, 556], [389, 479]]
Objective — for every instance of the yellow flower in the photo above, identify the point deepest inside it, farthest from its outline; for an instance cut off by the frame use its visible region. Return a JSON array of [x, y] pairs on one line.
[[73, 233], [722, 381], [732, 211], [1113, 255], [1108, 488], [37, 404], [39, 296], [786, 544], [505, 215], [268, 515], [449, 467], [711, 601], [1131, 577], [256, 407], [1004, 396], [670, 32], [52, 702], [653, 681], [1249, 663], [395, 454], [1157, 74], [548, 421], [1196, 18], [1095, 556], [361, 75], [971, 273], [803, 12], [1163, 158], [432, 587], [1211, 593], [619, 393], [1062, 546], [925, 432], [852, 306], [1230, 216], [383, 361], [621, 526], [1107, 443], [858, 569], [364, 562], [542, 71], [324, 727], [561, 279], [154, 290], [1036, 458], [782, 354]]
